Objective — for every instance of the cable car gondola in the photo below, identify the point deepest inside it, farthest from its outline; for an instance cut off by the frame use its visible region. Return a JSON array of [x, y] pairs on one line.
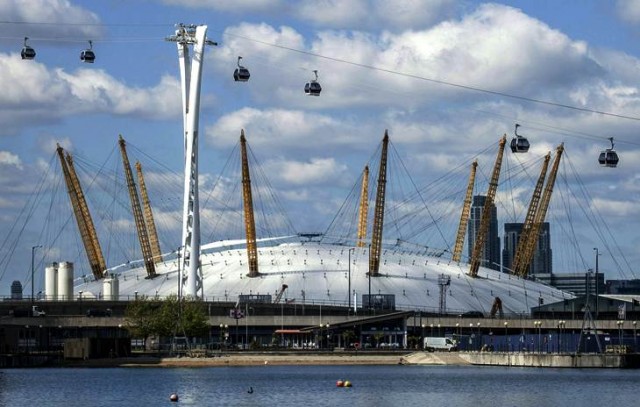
[[27, 52], [519, 144], [608, 157], [87, 55], [241, 74], [313, 88]]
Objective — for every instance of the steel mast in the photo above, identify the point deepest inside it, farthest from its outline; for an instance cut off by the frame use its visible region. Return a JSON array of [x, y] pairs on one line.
[[478, 247], [191, 76], [378, 219], [148, 217], [82, 215], [464, 217], [531, 215], [249, 220], [141, 228], [364, 209], [532, 240]]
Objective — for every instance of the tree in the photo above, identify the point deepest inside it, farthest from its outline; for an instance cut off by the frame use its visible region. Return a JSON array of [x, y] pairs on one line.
[[140, 318], [150, 317]]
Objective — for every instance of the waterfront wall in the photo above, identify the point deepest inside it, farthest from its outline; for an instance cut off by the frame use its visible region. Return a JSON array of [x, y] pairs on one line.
[[552, 360]]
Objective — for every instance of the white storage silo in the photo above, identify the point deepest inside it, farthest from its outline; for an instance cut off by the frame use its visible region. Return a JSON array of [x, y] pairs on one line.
[[51, 282], [65, 281], [111, 288]]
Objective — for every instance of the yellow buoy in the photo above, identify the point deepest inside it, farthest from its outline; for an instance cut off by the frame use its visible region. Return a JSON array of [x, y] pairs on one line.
[[347, 383]]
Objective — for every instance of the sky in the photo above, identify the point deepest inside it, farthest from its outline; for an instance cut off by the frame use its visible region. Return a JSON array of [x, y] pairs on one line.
[[446, 78]]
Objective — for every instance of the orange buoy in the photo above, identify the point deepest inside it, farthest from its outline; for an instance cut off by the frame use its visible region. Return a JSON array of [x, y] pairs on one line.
[[339, 383], [347, 383], [173, 397]]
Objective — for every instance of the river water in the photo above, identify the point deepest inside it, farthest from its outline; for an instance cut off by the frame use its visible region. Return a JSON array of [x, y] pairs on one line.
[[404, 386]]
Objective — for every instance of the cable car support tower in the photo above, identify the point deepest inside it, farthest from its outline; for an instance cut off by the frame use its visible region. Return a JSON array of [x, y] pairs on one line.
[[191, 75]]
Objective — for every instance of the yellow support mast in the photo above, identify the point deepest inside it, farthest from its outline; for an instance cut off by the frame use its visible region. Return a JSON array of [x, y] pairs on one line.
[[141, 228], [249, 221], [147, 212], [364, 209], [541, 214], [486, 212], [464, 217], [531, 214], [378, 219], [83, 217]]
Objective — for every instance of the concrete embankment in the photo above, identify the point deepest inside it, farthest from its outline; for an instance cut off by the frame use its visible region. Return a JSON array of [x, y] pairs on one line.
[[526, 359]]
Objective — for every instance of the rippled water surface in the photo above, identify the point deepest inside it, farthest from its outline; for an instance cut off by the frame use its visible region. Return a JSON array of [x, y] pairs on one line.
[[315, 386]]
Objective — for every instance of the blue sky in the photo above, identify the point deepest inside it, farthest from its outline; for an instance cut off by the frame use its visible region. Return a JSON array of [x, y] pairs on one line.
[[577, 53]]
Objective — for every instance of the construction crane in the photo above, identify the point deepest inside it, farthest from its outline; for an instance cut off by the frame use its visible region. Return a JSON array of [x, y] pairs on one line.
[[156, 253], [364, 209], [486, 211], [541, 213], [531, 214], [249, 221], [464, 217], [141, 228], [280, 293], [378, 219], [83, 217]]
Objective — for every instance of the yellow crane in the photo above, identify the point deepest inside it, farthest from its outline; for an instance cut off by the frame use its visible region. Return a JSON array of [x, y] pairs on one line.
[[541, 213], [378, 219], [486, 211], [141, 228], [83, 217], [249, 221], [464, 217], [364, 209], [531, 214], [156, 253]]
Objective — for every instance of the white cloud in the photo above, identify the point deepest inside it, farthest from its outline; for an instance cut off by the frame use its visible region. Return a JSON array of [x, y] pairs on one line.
[[371, 14], [9, 159], [497, 48], [273, 129], [628, 10], [316, 171], [45, 14], [228, 5], [54, 94]]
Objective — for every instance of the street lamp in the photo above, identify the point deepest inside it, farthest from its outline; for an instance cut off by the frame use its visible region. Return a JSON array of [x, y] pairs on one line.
[[538, 324], [33, 283], [597, 307], [620, 328], [506, 339], [423, 326], [349, 291], [561, 325], [634, 336]]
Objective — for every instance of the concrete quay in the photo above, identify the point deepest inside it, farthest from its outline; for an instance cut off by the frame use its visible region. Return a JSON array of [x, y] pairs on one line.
[[566, 360]]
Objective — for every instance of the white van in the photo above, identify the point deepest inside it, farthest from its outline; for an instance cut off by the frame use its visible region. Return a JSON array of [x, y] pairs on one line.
[[440, 344]]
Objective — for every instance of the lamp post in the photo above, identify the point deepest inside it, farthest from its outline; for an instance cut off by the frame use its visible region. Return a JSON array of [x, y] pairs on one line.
[[422, 341], [561, 325], [597, 307], [506, 339], [620, 328], [349, 290], [537, 324], [33, 282], [634, 336]]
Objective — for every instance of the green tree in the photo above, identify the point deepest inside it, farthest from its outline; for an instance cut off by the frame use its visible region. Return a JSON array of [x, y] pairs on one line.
[[146, 317], [140, 318]]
